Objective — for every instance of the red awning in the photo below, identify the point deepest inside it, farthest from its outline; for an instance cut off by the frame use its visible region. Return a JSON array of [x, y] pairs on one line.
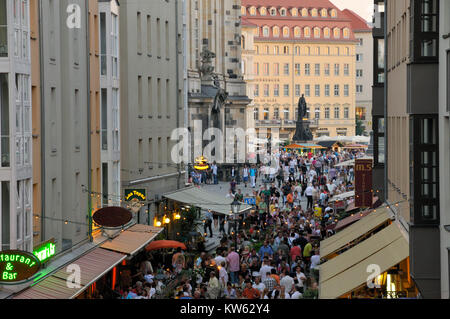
[[161, 244]]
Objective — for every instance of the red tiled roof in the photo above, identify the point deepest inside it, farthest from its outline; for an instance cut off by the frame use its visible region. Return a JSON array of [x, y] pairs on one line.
[[357, 23], [247, 23], [289, 3]]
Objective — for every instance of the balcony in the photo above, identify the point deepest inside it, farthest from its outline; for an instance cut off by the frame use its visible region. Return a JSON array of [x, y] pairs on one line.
[[267, 123]]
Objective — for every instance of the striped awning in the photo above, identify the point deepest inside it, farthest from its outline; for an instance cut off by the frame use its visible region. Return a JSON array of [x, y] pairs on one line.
[[349, 270], [93, 266], [133, 239], [198, 197]]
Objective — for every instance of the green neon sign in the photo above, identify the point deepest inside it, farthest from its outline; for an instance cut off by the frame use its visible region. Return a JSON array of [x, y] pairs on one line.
[[45, 251], [17, 266]]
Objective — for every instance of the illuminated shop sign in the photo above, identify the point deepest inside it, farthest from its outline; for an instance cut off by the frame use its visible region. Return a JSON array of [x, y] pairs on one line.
[[131, 194], [17, 266], [45, 250]]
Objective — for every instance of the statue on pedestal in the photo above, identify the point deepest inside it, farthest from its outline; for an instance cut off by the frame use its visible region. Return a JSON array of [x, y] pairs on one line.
[[302, 132]]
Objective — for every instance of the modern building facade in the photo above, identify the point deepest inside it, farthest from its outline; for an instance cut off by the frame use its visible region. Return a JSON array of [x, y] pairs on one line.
[[411, 114], [444, 143], [302, 48], [151, 98], [364, 71], [110, 102], [216, 88], [15, 124]]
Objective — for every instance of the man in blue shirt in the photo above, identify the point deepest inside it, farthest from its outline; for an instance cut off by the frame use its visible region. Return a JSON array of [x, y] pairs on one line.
[[265, 249]]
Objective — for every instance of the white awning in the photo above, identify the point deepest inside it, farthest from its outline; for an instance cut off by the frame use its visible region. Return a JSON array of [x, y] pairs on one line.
[[206, 200]]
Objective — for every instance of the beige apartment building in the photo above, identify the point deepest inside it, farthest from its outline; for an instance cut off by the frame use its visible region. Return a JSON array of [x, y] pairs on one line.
[[214, 59], [363, 69], [301, 48], [151, 98]]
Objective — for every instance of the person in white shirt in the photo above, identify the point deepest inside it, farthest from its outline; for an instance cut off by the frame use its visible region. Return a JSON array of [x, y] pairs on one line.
[[223, 275], [301, 278], [219, 259], [265, 268], [309, 195], [287, 281], [315, 262], [258, 284], [297, 294]]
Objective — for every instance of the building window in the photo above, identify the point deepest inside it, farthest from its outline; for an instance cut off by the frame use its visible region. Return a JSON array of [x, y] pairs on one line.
[[327, 90], [346, 90], [286, 69], [346, 33], [266, 69], [317, 69], [316, 33], [337, 33], [448, 81], [307, 90], [286, 90], [346, 112], [333, 13], [297, 32], [115, 45], [307, 69], [324, 13], [276, 69], [253, 11], [359, 73], [314, 12], [256, 90], [256, 68], [379, 61], [266, 114], [266, 90], [276, 31], [294, 12], [273, 12], [336, 69], [276, 113], [326, 33], [276, 90], [286, 113], [104, 119], [360, 41], [359, 88], [297, 69], [243, 10], [359, 57], [263, 11], [256, 114], [317, 113], [286, 32], [326, 70], [424, 163], [327, 113], [3, 29], [336, 90], [336, 112], [276, 50], [285, 50], [297, 90], [346, 69], [424, 29], [4, 120], [317, 90], [304, 12], [265, 31], [307, 32]]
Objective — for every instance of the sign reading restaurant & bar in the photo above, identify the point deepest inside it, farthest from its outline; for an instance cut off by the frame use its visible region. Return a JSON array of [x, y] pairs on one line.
[[363, 183], [17, 266]]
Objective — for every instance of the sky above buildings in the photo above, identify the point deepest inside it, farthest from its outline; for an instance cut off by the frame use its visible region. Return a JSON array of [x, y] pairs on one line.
[[364, 8]]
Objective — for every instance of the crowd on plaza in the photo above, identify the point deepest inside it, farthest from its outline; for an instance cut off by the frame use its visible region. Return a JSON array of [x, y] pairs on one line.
[[273, 251]]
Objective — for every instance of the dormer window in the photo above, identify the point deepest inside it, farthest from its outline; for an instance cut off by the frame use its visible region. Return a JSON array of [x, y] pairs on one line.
[[326, 33], [316, 33], [273, 12], [346, 33], [324, 13], [333, 13], [243, 10], [286, 32], [283, 12], [276, 31], [294, 12], [265, 31], [307, 32], [314, 12], [304, 12], [337, 33], [252, 11], [263, 11], [297, 32]]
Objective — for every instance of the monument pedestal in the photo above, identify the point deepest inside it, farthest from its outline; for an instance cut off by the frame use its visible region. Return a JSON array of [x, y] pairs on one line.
[[302, 132]]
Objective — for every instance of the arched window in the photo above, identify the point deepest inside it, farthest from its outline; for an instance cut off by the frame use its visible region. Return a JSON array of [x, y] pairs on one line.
[[265, 31], [243, 42], [326, 32], [243, 10], [273, 11], [337, 33], [276, 50], [347, 51], [314, 12], [283, 12], [304, 12], [297, 32], [307, 32], [294, 12], [276, 31], [252, 11], [346, 33], [263, 11], [333, 13], [316, 32], [285, 50], [285, 32], [324, 13], [297, 50]]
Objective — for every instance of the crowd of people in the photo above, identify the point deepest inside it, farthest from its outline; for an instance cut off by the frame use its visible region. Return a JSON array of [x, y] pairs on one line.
[[273, 251]]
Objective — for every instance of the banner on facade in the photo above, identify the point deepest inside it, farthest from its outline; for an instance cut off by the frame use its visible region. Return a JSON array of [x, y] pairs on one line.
[[363, 183]]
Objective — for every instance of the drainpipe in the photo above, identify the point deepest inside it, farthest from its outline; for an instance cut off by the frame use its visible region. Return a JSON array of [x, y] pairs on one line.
[[178, 86], [43, 122], [88, 85], [185, 82], [385, 105]]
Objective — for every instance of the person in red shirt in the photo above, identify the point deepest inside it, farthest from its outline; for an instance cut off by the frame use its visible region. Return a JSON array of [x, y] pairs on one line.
[[290, 199], [250, 292], [295, 251]]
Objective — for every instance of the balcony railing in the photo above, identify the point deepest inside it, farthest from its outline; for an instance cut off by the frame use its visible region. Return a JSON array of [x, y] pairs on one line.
[[268, 123]]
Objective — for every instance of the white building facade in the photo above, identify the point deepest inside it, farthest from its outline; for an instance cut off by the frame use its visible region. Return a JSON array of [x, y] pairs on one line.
[[110, 101], [15, 126]]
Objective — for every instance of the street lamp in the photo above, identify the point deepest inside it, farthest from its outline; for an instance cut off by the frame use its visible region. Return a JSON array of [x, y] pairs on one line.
[[235, 208]]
